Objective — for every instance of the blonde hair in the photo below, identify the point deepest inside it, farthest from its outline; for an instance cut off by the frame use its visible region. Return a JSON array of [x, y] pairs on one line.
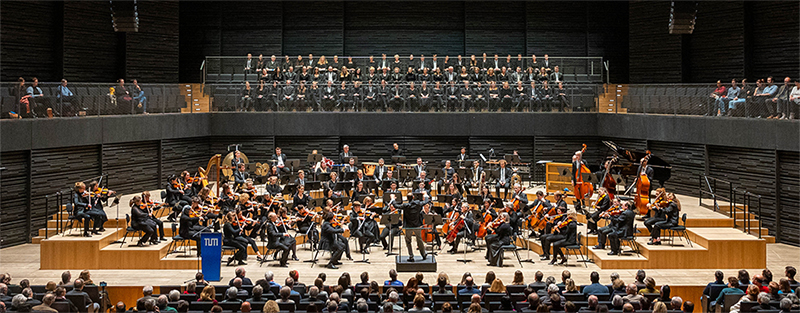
[[79, 185], [659, 307], [207, 294], [497, 286], [271, 307]]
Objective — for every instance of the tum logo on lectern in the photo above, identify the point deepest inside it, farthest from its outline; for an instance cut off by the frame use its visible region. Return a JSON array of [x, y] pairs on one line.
[[211, 242]]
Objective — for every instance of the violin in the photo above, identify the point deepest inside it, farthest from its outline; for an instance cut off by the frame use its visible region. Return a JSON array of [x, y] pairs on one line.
[[563, 224], [178, 185], [613, 211]]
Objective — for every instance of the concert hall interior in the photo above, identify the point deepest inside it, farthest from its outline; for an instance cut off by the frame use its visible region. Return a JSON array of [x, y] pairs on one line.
[[392, 156]]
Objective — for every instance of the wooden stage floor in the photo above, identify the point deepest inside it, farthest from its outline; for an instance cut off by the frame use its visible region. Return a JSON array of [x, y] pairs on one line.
[[706, 227]]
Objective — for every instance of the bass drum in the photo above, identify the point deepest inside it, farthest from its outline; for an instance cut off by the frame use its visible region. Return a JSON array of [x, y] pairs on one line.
[[227, 163]]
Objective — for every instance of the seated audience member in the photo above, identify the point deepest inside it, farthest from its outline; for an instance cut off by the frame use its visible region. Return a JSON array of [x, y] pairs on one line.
[[245, 307], [147, 294], [631, 295], [470, 289], [627, 308], [659, 307], [119, 307], [649, 286], [232, 295], [676, 303], [744, 278], [284, 295], [538, 283], [161, 303], [731, 289], [419, 305], [763, 303], [591, 304], [533, 303], [47, 301], [240, 273], [78, 291], [393, 279], [18, 303], [688, 307], [595, 288]]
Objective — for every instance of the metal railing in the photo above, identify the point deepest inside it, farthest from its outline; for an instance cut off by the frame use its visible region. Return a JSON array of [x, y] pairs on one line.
[[59, 199], [226, 69], [695, 99], [738, 200], [90, 99], [400, 97]]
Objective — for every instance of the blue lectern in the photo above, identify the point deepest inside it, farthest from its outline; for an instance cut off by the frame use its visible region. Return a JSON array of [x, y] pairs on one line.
[[211, 251]]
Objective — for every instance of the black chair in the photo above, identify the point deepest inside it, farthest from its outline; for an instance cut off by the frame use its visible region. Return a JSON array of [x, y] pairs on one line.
[[71, 221], [681, 230], [574, 296], [289, 307], [78, 301], [204, 306], [230, 307], [577, 250], [630, 241], [510, 247], [129, 231], [178, 242], [60, 306]]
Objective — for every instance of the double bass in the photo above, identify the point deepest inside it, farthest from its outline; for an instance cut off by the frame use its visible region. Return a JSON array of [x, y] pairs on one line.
[[642, 197], [608, 182], [456, 224], [582, 189]]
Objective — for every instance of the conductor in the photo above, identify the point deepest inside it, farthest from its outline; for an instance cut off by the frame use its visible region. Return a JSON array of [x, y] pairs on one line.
[[412, 221]]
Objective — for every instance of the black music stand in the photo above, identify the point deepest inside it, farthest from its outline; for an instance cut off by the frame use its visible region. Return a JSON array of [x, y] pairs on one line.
[[388, 220], [315, 203], [466, 260], [293, 164], [386, 184], [349, 176], [387, 197], [444, 198], [462, 172], [313, 185], [343, 186], [407, 174], [362, 197], [418, 196], [323, 177], [512, 158], [343, 200], [347, 160], [313, 159], [433, 220], [398, 159], [289, 189], [475, 199], [284, 179], [434, 173]]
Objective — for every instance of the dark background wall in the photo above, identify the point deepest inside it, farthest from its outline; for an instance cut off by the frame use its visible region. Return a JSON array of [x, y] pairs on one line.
[[139, 152], [75, 40], [369, 28], [732, 39]]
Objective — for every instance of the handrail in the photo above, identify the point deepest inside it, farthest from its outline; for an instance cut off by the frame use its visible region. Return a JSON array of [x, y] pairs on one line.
[[745, 198]]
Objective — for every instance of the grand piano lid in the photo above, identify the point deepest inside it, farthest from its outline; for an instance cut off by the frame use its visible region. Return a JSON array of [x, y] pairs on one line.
[[635, 156]]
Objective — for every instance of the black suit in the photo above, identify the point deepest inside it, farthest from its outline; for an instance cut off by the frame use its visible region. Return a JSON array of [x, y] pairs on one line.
[[140, 220], [601, 206], [412, 218], [282, 158], [624, 229], [671, 212], [278, 240], [503, 181], [501, 237], [190, 227], [570, 233], [330, 238]]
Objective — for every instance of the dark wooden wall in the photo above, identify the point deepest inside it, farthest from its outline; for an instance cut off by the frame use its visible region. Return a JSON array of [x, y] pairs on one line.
[[370, 28], [732, 39], [75, 40]]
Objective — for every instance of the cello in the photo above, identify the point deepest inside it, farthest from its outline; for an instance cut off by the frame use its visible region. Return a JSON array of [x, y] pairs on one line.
[[582, 189], [608, 182], [642, 197]]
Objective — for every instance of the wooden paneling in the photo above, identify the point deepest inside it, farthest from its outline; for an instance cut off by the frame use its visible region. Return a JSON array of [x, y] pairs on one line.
[[553, 29], [131, 167], [751, 170], [185, 154], [313, 27], [687, 161], [30, 40], [789, 175], [90, 44], [717, 44], [391, 27], [496, 32], [14, 197], [655, 55], [152, 52], [58, 169], [776, 46]]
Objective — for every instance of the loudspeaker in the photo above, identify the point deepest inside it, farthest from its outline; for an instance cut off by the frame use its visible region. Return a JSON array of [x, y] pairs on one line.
[[125, 16], [682, 16]]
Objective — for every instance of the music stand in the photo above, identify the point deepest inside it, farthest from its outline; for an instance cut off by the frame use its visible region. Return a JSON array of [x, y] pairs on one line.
[[371, 185], [362, 197], [475, 199], [313, 185], [398, 159], [434, 173], [284, 179], [347, 160], [512, 158], [313, 158], [462, 172], [289, 189], [292, 164], [318, 202], [386, 184], [418, 196], [444, 198], [388, 220], [324, 177], [343, 186], [407, 174], [349, 176], [343, 200], [387, 197], [432, 220]]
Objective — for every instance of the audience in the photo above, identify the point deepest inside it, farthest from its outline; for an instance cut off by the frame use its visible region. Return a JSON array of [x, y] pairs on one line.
[[595, 288]]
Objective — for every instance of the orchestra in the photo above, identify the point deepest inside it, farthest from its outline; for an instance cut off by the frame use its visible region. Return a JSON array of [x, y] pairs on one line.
[[275, 214]]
